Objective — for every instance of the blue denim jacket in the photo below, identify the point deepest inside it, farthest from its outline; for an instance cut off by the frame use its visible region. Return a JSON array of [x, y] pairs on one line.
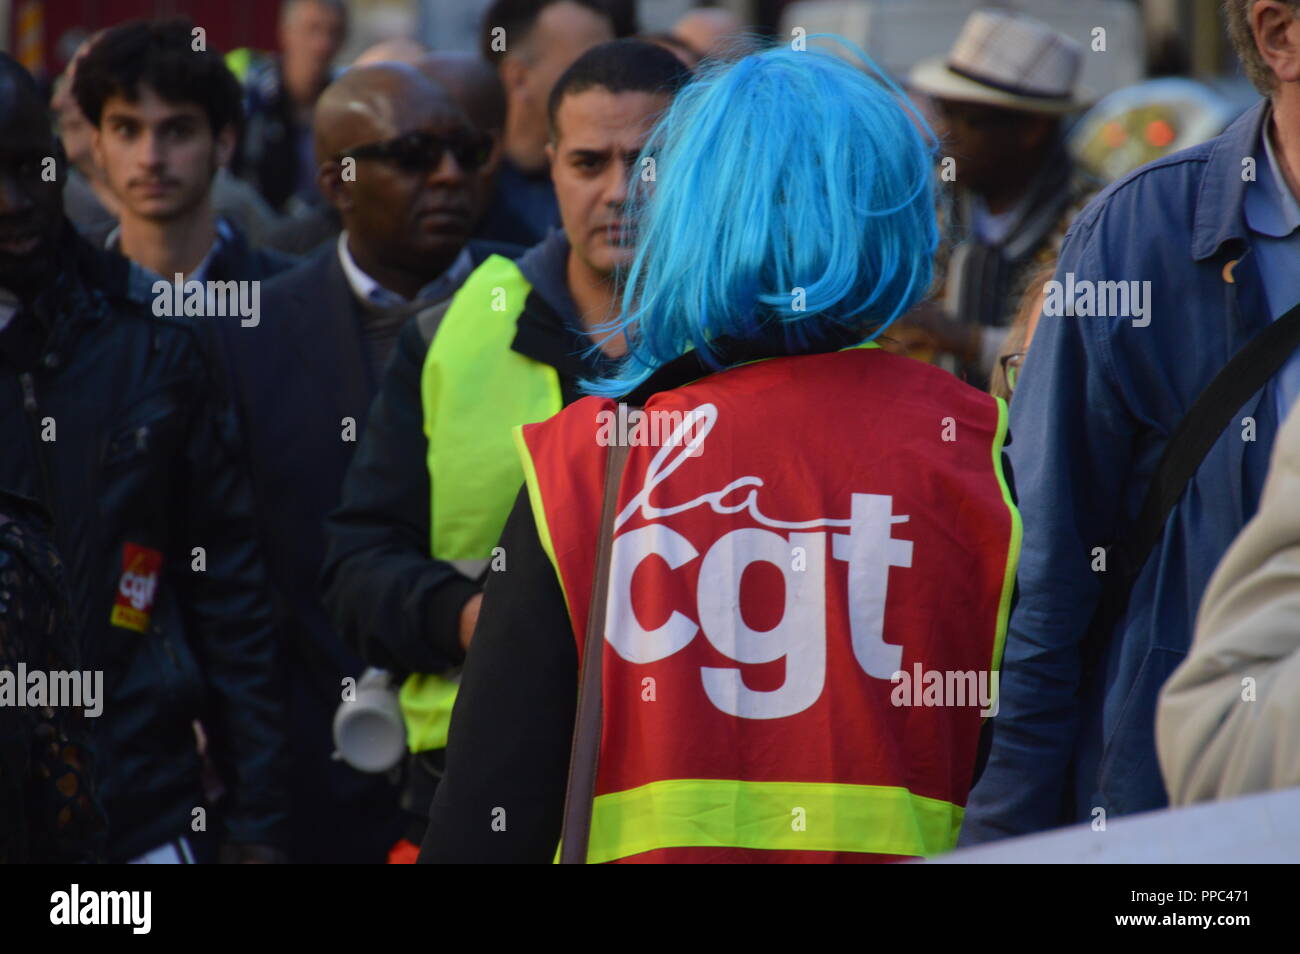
[[1095, 405]]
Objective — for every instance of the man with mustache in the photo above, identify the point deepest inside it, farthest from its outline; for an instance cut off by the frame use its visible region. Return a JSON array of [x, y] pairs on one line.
[[165, 120], [434, 477], [398, 161]]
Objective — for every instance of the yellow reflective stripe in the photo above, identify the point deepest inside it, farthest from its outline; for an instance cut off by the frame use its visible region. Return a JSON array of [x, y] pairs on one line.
[[1013, 546], [539, 509], [727, 813], [427, 700]]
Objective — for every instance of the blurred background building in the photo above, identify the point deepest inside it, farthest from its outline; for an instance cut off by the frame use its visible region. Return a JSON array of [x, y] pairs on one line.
[[1170, 36]]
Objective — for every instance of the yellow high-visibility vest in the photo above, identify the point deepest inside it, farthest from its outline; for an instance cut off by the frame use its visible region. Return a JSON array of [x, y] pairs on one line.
[[474, 390]]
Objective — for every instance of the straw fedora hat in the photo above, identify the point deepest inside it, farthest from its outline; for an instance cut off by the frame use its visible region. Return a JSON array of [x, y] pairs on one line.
[[1010, 60]]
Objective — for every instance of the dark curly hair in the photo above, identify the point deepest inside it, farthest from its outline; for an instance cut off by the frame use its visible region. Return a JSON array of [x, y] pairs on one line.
[[160, 54]]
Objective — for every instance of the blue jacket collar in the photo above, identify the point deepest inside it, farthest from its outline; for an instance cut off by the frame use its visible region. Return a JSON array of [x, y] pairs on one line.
[[1219, 203]]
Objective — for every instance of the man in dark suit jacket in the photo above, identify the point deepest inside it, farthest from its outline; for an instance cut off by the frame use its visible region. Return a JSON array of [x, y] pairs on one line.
[[303, 379]]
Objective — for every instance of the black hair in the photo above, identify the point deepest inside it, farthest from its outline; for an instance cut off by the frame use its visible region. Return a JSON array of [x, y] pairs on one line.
[[20, 96], [518, 17], [620, 66], [158, 53], [13, 73]]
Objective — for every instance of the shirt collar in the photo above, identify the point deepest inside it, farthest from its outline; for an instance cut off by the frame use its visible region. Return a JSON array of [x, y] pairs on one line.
[[199, 272], [368, 290], [1271, 208], [1220, 199], [363, 286]]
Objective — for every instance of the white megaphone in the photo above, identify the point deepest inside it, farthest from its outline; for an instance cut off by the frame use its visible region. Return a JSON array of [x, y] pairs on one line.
[[369, 731]]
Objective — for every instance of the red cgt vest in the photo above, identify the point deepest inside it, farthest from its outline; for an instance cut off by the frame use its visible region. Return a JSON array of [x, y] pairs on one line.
[[812, 570]]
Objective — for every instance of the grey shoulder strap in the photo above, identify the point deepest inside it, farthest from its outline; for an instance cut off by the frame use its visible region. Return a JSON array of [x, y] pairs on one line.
[[584, 759]]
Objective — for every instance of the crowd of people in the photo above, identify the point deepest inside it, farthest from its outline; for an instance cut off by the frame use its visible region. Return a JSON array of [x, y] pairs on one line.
[[308, 373]]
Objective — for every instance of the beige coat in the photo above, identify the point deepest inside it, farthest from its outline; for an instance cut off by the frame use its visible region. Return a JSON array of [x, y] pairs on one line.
[[1219, 734]]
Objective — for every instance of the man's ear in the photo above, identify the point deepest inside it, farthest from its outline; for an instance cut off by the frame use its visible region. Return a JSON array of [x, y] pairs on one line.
[[1276, 30], [550, 153], [227, 139], [329, 177]]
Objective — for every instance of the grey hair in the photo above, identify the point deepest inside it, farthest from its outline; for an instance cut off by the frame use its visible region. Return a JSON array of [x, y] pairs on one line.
[[1237, 13]]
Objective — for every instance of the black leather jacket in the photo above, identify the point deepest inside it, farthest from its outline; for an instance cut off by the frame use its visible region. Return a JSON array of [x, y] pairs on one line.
[[115, 420]]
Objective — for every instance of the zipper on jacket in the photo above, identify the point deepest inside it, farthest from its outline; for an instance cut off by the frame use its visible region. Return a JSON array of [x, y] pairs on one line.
[[32, 408], [52, 502]]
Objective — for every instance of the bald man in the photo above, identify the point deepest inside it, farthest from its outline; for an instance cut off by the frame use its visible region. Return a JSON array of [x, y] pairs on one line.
[[475, 85], [397, 49], [712, 31], [396, 159]]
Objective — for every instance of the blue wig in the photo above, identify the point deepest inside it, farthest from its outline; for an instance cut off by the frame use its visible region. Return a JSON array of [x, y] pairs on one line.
[[793, 197]]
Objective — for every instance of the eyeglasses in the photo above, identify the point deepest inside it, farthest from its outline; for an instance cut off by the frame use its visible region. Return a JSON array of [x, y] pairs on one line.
[[1011, 364], [423, 151]]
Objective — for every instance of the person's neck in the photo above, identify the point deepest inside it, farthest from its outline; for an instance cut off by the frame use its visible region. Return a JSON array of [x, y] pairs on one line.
[[397, 280], [524, 153], [596, 297], [166, 248], [1286, 135]]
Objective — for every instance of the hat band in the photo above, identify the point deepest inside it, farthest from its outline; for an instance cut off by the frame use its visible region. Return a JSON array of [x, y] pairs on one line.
[[1012, 88]]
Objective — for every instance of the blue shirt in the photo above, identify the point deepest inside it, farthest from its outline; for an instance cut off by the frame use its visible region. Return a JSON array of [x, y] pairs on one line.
[[1093, 410], [1274, 219], [368, 290], [113, 240]]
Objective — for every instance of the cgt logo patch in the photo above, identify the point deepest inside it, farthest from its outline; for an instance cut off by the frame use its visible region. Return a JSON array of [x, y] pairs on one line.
[[133, 603]]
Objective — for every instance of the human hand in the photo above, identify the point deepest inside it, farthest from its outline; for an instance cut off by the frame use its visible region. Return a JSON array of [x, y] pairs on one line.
[[469, 619]]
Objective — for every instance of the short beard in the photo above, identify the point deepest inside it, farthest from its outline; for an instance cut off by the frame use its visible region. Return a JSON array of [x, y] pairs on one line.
[[185, 208]]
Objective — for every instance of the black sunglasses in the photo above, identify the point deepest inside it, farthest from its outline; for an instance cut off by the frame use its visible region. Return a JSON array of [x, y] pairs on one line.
[[423, 151]]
